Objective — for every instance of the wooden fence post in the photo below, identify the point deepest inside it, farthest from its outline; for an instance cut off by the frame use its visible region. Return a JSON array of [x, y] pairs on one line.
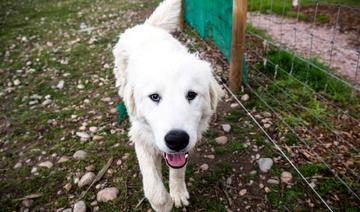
[[237, 43], [182, 16]]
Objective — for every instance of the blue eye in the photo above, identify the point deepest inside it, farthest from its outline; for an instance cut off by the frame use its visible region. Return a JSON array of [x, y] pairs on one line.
[[155, 97], [191, 95]]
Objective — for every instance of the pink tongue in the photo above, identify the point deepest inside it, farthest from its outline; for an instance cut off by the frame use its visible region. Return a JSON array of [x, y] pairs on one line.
[[176, 159]]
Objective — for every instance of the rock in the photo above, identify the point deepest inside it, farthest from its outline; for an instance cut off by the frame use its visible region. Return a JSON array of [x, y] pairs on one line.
[[226, 127], [267, 189], [80, 86], [265, 164], [18, 165], [126, 156], [67, 210], [253, 172], [245, 97], [83, 135], [46, 102], [60, 84], [93, 129], [80, 155], [80, 207], [267, 114], [27, 203], [86, 179], [222, 140], [63, 159], [119, 162], [97, 138], [204, 167], [46, 164], [242, 192], [266, 126], [17, 82], [90, 168], [212, 157], [234, 105], [107, 194], [34, 170], [67, 186], [286, 177], [312, 184], [273, 182]]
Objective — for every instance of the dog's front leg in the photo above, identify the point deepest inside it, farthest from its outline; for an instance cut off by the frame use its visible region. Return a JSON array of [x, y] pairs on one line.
[[178, 191], [150, 166]]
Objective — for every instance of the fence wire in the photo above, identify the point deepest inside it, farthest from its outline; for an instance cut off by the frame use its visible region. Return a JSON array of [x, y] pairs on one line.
[[264, 15]]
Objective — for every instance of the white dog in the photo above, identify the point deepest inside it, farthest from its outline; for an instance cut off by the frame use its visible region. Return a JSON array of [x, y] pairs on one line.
[[170, 96]]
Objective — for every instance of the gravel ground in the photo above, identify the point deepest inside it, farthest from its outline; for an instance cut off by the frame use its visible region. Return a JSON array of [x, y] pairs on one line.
[[298, 36]]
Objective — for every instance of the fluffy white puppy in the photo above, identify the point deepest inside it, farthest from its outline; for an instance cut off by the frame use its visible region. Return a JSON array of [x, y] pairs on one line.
[[170, 96]]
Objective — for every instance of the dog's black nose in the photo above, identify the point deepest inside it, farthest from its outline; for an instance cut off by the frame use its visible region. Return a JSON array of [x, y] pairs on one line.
[[177, 140]]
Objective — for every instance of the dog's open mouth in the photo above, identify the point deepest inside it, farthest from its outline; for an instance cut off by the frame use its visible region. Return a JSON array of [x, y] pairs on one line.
[[176, 160]]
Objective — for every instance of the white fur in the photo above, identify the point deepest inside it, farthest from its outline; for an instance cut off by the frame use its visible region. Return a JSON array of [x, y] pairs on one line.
[[149, 60]]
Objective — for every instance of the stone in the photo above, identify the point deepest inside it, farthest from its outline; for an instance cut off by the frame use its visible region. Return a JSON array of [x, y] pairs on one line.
[[80, 86], [46, 164], [17, 82], [222, 140], [63, 159], [83, 135], [234, 105], [80, 206], [126, 156], [265, 164], [67, 210], [93, 129], [18, 165], [87, 179], [46, 102], [80, 155], [273, 182], [226, 127], [67, 186], [98, 138], [90, 168], [119, 162], [27, 203], [107, 194], [60, 84], [242, 192], [204, 167], [212, 157], [286, 177], [245, 97], [34, 170]]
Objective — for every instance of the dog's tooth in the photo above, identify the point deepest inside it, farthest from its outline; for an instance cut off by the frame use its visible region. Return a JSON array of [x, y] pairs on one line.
[[186, 156]]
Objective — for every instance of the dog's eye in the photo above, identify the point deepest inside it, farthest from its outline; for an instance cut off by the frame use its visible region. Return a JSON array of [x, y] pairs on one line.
[[155, 97], [191, 95]]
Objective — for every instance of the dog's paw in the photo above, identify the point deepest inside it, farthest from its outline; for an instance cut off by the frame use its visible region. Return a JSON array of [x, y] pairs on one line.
[[179, 195], [161, 201], [164, 207]]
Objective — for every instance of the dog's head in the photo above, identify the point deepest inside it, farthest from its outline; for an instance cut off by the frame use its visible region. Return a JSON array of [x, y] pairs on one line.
[[173, 99]]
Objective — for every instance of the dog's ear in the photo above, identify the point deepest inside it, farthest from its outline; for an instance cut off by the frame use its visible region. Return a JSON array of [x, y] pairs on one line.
[[129, 100], [216, 93]]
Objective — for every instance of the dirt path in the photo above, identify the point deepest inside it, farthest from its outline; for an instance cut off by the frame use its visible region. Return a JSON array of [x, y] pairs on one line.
[[313, 41]]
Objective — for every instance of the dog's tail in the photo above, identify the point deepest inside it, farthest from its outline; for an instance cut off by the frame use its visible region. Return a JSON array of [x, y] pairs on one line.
[[166, 15]]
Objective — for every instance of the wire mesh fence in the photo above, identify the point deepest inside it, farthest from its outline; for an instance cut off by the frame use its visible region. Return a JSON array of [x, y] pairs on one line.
[[303, 66], [304, 69]]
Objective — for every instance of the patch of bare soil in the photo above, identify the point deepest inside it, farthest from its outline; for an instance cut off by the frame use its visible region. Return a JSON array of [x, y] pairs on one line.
[[333, 47], [348, 21]]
